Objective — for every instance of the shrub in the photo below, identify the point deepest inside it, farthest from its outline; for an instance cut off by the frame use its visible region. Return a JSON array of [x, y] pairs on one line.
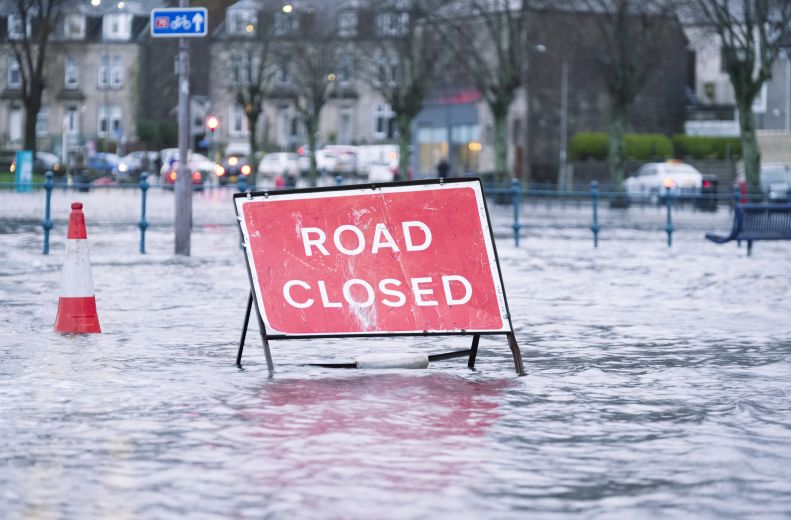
[[593, 145], [646, 147], [588, 145], [704, 147]]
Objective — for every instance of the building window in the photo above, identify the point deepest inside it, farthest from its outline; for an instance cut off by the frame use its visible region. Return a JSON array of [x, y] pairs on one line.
[[104, 71], [242, 21], [345, 126], [17, 27], [392, 24], [116, 72], [240, 69], [282, 72], [238, 121], [386, 71], [71, 77], [72, 119], [15, 124], [109, 121], [74, 26], [42, 121], [111, 71], [117, 26], [383, 121], [14, 78], [345, 69], [347, 24], [286, 24]]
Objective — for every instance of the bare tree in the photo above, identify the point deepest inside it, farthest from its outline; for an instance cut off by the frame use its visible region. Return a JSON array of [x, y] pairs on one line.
[[629, 35], [312, 52], [252, 68], [406, 60], [491, 39], [751, 33], [33, 23]]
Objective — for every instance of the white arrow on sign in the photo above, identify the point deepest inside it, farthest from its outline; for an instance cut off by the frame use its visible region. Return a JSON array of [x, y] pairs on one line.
[[197, 20]]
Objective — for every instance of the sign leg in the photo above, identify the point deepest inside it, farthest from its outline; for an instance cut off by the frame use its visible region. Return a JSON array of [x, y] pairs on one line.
[[520, 369], [262, 328], [473, 351], [244, 330]]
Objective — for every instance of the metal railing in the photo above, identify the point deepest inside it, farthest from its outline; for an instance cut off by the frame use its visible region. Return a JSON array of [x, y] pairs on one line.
[[500, 196]]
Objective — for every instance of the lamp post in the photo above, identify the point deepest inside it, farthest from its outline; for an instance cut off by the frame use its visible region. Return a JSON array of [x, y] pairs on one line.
[[538, 47], [563, 181], [212, 123]]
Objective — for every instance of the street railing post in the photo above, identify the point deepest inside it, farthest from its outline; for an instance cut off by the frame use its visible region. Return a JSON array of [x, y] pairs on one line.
[[143, 222], [47, 224], [669, 226], [338, 180], [595, 203], [516, 199], [737, 200]]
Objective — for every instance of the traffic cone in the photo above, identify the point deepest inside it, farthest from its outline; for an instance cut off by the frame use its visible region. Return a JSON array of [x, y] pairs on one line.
[[77, 302]]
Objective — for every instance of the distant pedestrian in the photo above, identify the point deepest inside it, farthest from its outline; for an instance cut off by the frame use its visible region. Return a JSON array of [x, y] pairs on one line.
[[157, 165], [443, 168]]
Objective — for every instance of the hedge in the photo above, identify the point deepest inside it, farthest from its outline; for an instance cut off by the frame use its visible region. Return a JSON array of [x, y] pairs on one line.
[[699, 147], [593, 145]]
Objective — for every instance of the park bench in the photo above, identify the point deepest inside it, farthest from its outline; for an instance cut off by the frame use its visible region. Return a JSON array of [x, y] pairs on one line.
[[757, 222]]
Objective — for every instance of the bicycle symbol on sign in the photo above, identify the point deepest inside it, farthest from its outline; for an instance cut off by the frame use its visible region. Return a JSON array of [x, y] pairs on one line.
[[180, 22]]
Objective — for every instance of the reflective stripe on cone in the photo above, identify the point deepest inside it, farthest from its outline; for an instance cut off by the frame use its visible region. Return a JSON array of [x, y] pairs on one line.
[[77, 302]]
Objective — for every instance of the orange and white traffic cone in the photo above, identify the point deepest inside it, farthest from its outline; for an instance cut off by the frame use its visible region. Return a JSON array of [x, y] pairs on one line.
[[77, 302]]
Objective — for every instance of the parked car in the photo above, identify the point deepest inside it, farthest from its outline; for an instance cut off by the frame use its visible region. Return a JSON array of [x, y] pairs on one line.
[[381, 171], [232, 169], [102, 163], [132, 164], [652, 180], [343, 157], [201, 169], [775, 182], [278, 163], [44, 162]]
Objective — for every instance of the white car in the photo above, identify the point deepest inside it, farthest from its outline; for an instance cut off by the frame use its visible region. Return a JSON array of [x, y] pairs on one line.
[[652, 180], [381, 171], [278, 163]]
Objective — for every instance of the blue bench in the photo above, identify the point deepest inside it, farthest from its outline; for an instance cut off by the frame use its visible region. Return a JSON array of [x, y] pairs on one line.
[[758, 222]]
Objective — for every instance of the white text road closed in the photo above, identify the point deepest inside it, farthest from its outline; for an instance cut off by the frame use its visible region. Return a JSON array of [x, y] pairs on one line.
[[395, 259]]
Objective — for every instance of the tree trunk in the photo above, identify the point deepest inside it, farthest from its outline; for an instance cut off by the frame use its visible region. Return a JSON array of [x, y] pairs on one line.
[[252, 123], [501, 144], [404, 141], [310, 127], [751, 153], [31, 115], [615, 147], [32, 104]]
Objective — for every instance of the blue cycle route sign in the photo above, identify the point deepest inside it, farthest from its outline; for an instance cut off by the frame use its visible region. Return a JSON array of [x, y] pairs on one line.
[[179, 22]]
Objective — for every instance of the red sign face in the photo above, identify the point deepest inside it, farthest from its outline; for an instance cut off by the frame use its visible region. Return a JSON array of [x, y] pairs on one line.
[[399, 259]]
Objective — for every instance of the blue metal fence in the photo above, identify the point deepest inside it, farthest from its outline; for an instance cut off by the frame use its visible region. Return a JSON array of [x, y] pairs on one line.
[[513, 194]]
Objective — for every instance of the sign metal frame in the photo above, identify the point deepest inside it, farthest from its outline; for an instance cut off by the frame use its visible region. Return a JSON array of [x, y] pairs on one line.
[[471, 353]]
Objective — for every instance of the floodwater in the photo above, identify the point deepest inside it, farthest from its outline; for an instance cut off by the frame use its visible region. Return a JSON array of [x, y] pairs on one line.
[[658, 385]]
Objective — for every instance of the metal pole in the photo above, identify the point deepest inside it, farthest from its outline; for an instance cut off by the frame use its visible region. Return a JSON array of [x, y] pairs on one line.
[[143, 222], [183, 187], [517, 202], [788, 91], [47, 225], [339, 180], [669, 226], [595, 201], [564, 94]]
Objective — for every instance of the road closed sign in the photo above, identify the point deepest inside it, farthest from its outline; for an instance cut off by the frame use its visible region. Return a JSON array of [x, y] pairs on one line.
[[409, 258]]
